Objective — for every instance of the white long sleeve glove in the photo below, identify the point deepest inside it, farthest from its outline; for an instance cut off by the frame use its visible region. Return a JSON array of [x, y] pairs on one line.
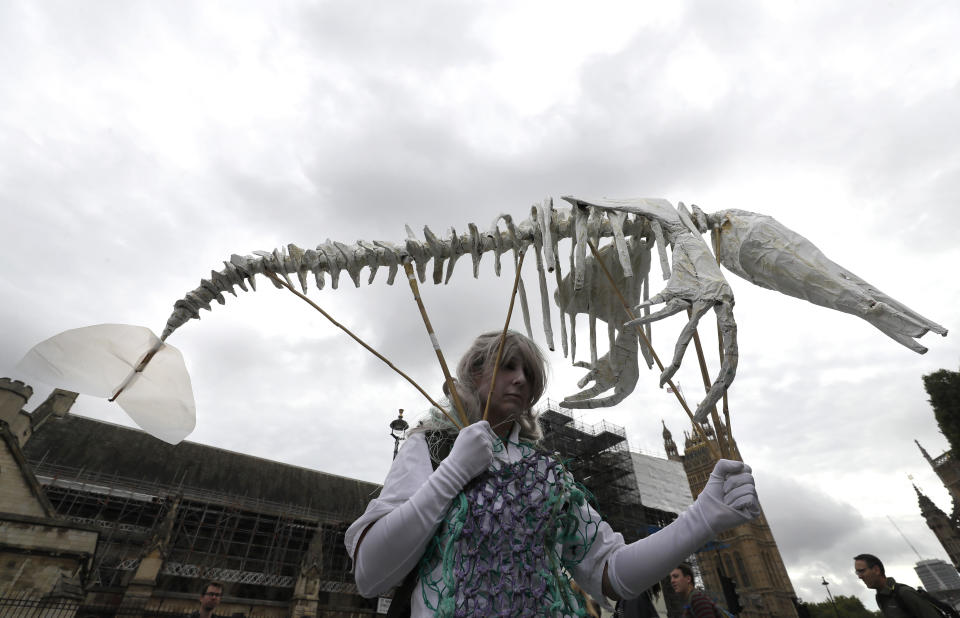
[[394, 543], [728, 500]]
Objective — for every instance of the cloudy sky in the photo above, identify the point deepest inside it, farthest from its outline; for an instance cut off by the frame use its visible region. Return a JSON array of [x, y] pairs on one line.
[[143, 143]]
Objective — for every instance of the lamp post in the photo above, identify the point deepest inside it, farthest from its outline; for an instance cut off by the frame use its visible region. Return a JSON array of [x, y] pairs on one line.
[[397, 425], [826, 584]]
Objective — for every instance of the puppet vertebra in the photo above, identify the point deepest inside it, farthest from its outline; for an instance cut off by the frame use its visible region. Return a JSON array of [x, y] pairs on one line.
[[695, 281]]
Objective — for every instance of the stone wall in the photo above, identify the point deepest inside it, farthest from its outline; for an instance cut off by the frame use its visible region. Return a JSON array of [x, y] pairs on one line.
[[16, 496], [14, 394], [37, 555]]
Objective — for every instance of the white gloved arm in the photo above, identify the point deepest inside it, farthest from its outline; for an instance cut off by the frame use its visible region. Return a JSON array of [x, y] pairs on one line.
[[728, 500], [393, 544]]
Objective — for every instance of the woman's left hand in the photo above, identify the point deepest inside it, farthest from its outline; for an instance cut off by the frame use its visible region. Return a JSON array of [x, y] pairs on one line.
[[729, 497]]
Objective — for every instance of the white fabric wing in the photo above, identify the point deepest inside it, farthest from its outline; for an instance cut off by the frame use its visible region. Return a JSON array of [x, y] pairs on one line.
[[94, 360], [160, 398], [97, 360]]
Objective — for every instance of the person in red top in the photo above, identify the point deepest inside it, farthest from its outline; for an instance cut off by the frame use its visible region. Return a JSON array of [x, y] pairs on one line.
[[697, 603]]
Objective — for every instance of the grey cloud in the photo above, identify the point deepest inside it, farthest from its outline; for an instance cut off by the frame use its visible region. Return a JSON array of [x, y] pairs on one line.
[[818, 534], [421, 37], [110, 226], [809, 522]]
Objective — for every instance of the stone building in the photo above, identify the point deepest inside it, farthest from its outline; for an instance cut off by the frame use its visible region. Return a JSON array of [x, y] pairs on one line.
[[945, 527], [947, 468], [41, 554], [116, 522], [747, 554], [140, 524], [98, 519]]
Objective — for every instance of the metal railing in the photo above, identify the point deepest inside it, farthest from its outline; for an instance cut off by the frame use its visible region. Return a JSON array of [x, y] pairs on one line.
[[32, 607], [133, 488]]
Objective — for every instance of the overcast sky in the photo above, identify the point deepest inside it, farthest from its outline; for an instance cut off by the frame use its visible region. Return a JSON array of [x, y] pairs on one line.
[[143, 143]]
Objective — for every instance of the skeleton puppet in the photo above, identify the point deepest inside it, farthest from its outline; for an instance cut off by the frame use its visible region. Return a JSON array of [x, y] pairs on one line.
[[149, 380]]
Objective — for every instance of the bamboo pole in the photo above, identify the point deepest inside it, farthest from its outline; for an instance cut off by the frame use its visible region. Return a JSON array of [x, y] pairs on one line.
[[673, 388], [451, 387], [503, 335], [724, 444], [279, 281], [138, 369], [731, 442]]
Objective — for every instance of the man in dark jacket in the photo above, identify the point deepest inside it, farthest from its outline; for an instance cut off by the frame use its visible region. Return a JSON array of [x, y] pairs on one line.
[[209, 600], [895, 600]]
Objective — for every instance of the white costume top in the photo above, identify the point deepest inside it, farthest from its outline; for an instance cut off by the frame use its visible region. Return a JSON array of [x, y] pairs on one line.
[[411, 469]]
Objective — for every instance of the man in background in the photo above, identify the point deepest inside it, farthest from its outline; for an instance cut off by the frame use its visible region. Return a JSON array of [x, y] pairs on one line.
[[209, 600], [894, 600], [696, 602]]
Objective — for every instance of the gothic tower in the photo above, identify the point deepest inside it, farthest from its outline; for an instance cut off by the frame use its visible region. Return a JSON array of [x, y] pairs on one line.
[[946, 528], [748, 554], [947, 468], [669, 445]]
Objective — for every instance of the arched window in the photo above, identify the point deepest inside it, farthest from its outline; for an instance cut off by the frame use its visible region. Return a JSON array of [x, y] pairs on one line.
[[742, 570], [772, 573]]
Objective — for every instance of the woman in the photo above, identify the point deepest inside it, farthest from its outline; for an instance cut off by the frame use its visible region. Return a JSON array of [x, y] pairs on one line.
[[489, 525]]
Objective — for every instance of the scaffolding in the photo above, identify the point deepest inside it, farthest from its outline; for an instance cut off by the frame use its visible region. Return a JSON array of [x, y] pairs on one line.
[[268, 551], [126, 521], [257, 546], [599, 458], [246, 548]]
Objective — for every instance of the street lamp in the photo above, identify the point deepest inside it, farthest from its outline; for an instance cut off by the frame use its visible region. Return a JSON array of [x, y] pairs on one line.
[[826, 584], [397, 425]]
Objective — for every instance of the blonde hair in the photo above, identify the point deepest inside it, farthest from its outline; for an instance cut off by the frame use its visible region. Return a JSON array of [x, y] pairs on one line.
[[477, 361]]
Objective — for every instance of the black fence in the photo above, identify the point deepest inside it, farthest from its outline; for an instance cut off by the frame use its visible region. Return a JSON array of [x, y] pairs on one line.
[[24, 607]]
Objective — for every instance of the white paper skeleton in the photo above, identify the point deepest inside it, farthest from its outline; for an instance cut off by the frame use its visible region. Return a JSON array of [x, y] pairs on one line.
[[154, 388]]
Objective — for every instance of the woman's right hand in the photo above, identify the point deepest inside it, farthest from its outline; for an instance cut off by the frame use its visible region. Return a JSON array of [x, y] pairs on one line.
[[472, 453], [391, 546]]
